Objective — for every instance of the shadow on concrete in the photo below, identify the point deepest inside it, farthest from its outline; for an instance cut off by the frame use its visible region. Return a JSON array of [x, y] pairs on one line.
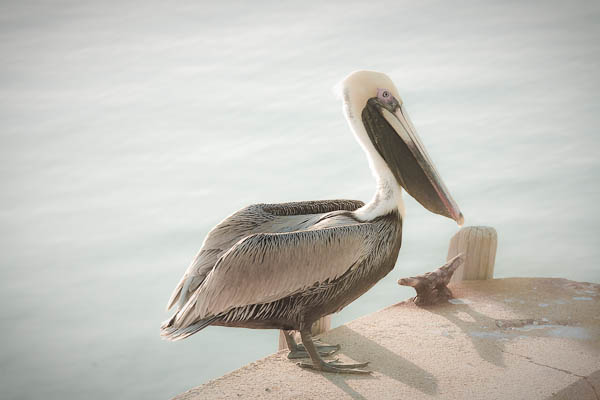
[[383, 361], [583, 389], [475, 330]]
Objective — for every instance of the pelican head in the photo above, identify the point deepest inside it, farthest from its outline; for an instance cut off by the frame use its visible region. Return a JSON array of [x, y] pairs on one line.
[[397, 156]]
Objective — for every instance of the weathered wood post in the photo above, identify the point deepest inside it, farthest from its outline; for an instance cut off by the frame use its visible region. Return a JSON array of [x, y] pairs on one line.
[[478, 244], [322, 325]]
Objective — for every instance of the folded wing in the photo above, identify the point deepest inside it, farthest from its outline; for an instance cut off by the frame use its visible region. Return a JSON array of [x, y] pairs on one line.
[[269, 266], [257, 218]]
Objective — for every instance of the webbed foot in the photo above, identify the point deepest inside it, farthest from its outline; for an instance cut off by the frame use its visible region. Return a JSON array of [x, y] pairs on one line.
[[323, 349], [337, 367]]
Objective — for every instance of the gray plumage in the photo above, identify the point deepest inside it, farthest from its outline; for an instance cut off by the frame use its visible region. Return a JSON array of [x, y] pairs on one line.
[[257, 218], [275, 265]]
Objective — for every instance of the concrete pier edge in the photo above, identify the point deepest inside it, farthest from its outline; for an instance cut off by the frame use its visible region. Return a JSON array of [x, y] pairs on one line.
[[513, 338]]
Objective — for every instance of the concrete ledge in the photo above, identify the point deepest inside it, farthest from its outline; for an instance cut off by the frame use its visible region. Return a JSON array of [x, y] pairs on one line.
[[518, 338]]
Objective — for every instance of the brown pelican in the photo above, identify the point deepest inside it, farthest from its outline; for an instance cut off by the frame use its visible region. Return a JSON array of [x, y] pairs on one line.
[[284, 266]]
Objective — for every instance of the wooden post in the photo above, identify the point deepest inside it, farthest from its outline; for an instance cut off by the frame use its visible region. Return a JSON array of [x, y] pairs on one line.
[[478, 244], [322, 325]]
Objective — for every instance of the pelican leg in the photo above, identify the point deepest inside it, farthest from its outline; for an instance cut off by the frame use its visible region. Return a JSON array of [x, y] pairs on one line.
[[321, 365], [297, 350]]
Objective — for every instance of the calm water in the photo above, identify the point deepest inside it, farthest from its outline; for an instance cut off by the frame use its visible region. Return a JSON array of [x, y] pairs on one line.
[[128, 131]]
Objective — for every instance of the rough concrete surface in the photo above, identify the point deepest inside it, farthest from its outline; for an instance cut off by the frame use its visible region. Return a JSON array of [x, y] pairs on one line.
[[517, 338]]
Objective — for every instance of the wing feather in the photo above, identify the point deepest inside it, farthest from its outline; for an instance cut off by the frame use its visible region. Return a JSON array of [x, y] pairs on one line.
[[266, 267], [257, 218]]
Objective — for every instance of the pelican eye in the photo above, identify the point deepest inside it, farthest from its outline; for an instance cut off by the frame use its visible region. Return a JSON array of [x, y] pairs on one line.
[[384, 95]]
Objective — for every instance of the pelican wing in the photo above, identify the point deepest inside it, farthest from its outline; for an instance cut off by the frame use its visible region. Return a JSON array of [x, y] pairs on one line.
[[257, 218], [266, 267]]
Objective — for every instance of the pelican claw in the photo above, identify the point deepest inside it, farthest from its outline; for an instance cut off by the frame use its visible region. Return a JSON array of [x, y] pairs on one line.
[[324, 351]]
